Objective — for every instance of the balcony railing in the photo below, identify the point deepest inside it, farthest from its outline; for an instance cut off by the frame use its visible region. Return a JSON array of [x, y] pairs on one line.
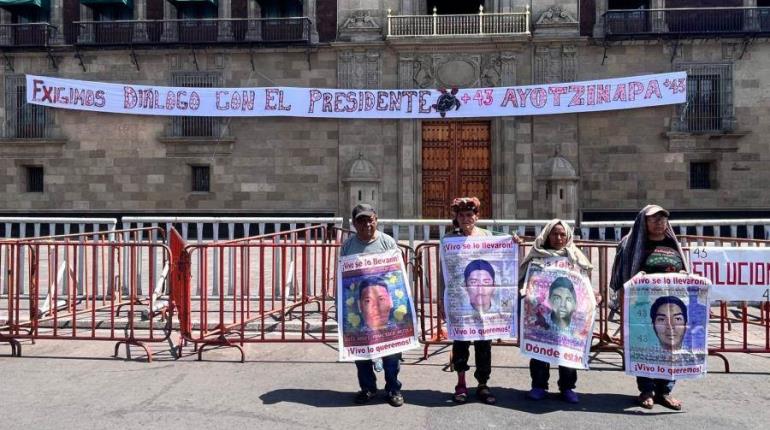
[[194, 31], [38, 34], [687, 22], [480, 24]]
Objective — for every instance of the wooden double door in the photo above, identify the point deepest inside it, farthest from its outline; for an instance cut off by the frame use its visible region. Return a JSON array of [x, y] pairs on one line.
[[456, 162]]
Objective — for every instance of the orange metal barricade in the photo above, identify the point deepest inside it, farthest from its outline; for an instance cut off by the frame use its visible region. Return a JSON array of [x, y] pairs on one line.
[[94, 286]]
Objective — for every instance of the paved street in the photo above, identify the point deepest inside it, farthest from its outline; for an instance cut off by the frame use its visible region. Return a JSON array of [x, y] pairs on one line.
[[78, 385]]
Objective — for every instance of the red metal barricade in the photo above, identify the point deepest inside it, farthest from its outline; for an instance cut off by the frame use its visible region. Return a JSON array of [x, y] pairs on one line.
[[279, 287], [107, 286]]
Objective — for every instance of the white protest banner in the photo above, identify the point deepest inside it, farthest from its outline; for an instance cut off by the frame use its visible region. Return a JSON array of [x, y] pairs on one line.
[[573, 97], [736, 274], [480, 275], [375, 308], [557, 314], [665, 325]]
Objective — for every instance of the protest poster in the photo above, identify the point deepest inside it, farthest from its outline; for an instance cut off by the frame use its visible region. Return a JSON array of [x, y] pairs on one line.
[[736, 273], [557, 313], [423, 103], [480, 275], [376, 311], [665, 325]]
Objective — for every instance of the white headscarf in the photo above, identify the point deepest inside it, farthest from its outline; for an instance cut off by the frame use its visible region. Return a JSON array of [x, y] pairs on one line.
[[541, 249]]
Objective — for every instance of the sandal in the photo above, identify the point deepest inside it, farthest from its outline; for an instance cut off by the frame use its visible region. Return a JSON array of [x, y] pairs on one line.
[[646, 400], [485, 395], [461, 394], [667, 400]]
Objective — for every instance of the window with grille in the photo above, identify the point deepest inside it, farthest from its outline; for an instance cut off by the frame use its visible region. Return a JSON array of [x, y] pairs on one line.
[[196, 126], [201, 179], [34, 179], [700, 175], [23, 120], [709, 104]]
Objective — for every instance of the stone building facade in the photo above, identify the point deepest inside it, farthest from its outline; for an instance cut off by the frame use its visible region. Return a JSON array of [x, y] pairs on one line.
[[706, 156]]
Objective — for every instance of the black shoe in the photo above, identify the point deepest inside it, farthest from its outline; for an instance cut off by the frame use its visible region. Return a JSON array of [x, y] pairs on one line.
[[396, 399], [363, 397]]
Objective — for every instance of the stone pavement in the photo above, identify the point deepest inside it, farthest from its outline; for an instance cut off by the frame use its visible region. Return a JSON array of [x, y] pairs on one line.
[[78, 385]]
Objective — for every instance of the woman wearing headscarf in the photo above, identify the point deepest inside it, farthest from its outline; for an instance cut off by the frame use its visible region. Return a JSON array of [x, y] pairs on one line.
[[651, 247], [555, 240]]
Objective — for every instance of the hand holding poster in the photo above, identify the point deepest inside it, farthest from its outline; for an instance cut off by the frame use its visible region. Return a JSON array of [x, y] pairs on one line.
[[557, 314], [736, 274], [666, 325], [376, 311], [480, 275]]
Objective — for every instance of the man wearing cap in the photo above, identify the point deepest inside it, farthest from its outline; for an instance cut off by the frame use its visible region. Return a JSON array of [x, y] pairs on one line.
[[368, 240]]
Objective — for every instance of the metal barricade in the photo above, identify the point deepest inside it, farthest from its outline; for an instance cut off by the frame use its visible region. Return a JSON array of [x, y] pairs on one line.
[[107, 286]]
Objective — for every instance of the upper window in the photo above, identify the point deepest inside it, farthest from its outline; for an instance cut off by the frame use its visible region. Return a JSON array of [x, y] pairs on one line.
[[628, 4], [280, 8], [112, 12], [23, 120], [196, 10], [709, 104], [196, 126], [444, 7]]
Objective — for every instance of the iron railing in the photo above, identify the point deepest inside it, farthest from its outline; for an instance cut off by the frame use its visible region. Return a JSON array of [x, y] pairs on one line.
[[36, 34], [480, 24], [209, 30], [687, 21]]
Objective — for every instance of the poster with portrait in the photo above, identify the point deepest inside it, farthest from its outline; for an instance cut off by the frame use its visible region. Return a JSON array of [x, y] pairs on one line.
[[557, 313], [480, 275], [375, 306], [665, 325]]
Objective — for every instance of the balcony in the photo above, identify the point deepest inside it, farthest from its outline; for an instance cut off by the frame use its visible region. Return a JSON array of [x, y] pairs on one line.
[[38, 34], [687, 22], [193, 31], [480, 24]]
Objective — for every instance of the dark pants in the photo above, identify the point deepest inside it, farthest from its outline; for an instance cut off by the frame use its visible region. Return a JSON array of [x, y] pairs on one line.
[[483, 350], [540, 372], [368, 381], [660, 387]]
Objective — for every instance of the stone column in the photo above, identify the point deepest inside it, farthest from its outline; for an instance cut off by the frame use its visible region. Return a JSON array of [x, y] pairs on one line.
[[224, 24], [254, 27], [57, 20], [140, 14], [170, 28], [601, 9], [408, 138], [504, 198], [750, 16], [658, 18], [86, 34], [309, 11]]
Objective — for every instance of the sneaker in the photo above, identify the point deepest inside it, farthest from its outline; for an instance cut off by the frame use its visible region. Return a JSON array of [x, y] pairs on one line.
[[569, 396], [363, 397], [537, 394], [396, 399]]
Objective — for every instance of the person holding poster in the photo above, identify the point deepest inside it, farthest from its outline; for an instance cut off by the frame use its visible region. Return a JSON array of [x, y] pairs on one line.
[[554, 243], [650, 247], [374, 304], [666, 326], [481, 302]]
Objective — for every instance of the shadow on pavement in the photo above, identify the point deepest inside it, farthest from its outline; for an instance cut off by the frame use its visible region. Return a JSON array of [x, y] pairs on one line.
[[506, 398]]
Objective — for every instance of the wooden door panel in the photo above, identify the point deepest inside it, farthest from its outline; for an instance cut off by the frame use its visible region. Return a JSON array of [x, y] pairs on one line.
[[456, 161]]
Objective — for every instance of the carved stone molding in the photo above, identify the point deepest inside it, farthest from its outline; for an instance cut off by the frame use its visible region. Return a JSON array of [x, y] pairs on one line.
[[359, 69], [555, 15], [555, 63], [457, 70], [360, 26]]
